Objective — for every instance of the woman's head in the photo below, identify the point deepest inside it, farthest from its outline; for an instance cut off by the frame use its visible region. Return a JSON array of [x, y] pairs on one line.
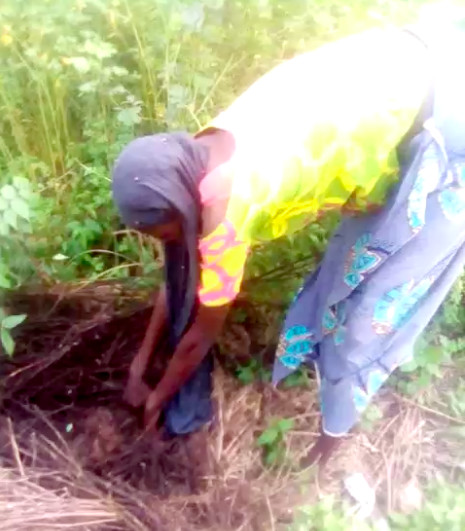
[[156, 184]]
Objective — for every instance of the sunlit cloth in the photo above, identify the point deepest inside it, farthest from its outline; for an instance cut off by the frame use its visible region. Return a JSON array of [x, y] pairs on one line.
[[385, 275], [318, 132]]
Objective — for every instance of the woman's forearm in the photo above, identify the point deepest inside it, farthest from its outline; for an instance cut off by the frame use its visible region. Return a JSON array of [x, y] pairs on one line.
[[190, 352], [155, 328], [183, 363], [158, 320]]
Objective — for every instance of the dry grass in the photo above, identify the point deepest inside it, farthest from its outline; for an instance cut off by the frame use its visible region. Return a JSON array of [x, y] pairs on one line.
[[230, 487], [29, 506], [44, 486], [213, 480]]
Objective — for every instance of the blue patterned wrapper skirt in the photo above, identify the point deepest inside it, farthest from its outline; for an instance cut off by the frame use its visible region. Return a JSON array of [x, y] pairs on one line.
[[384, 275]]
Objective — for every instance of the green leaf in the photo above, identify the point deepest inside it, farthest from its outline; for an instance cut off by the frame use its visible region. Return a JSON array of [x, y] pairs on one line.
[[399, 519], [268, 437], [178, 95], [285, 425], [101, 50], [13, 320], [21, 183], [25, 193], [3, 203], [296, 379], [8, 192], [4, 228], [20, 207], [10, 218], [129, 116], [23, 186], [423, 380], [81, 64], [88, 87], [410, 366], [193, 17], [7, 341], [434, 370], [5, 283], [373, 413], [265, 375], [431, 355], [272, 456], [246, 375]]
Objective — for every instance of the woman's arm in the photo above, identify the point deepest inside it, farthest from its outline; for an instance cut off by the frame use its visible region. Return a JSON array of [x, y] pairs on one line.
[[191, 350], [157, 325], [136, 390]]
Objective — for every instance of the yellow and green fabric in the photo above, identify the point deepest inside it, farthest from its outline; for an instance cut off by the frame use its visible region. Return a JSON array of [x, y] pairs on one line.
[[318, 132]]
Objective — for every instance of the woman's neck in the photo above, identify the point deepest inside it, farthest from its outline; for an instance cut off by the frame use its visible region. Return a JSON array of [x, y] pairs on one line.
[[220, 146], [216, 185]]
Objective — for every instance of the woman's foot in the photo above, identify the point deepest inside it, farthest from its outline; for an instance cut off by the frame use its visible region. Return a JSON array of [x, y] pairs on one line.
[[321, 451]]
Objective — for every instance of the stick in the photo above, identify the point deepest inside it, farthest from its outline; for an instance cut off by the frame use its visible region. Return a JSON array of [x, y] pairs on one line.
[[429, 410], [14, 446]]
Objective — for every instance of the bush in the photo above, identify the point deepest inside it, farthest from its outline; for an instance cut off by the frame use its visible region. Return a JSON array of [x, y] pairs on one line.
[[82, 77]]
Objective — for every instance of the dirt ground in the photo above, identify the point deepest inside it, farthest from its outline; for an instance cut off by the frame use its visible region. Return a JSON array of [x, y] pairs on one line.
[[73, 455]]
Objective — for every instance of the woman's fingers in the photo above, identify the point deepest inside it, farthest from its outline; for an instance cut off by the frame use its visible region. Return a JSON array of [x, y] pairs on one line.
[[136, 392], [152, 411]]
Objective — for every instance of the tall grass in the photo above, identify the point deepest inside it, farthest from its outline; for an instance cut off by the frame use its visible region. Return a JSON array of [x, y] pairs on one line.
[[79, 78]]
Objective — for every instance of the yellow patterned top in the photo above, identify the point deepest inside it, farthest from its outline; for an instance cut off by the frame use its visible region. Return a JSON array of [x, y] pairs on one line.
[[317, 132]]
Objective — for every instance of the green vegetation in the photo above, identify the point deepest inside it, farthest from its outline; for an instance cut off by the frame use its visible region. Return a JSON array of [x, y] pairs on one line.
[[444, 511], [272, 440], [15, 201], [81, 78]]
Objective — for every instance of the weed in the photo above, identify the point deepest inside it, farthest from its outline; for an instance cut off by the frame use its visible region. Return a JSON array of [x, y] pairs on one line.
[[252, 372], [327, 514], [272, 440], [442, 342], [299, 378], [15, 199], [80, 79], [371, 417], [445, 509]]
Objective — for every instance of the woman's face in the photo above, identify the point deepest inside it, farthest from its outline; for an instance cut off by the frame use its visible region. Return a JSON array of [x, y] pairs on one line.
[[167, 232]]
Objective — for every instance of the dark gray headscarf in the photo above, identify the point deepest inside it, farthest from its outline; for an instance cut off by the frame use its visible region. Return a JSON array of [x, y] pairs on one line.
[[156, 180]]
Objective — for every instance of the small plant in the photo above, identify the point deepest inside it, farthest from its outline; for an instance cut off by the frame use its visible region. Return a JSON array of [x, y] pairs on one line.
[[252, 372], [326, 515], [371, 417], [272, 440], [15, 198], [299, 378], [442, 342], [14, 206], [7, 323], [445, 509]]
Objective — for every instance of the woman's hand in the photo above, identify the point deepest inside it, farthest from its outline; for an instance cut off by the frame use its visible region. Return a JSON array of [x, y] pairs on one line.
[[137, 391], [152, 410]]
